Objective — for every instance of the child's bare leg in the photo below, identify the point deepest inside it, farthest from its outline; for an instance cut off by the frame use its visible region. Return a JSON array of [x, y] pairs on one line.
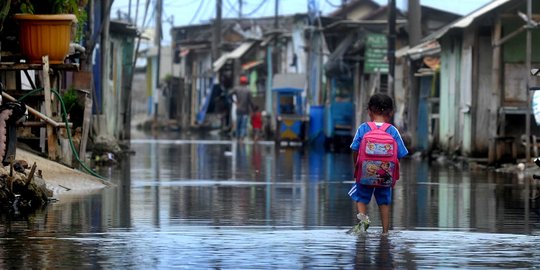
[[361, 207], [385, 216]]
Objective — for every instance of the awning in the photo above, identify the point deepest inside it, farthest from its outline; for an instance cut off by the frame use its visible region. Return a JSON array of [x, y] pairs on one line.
[[266, 40], [218, 64], [237, 53], [423, 49], [196, 46], [289, 81], [184, 52], [335, 60], [241, 50], [426, 48], [251, 64], [370, 25]]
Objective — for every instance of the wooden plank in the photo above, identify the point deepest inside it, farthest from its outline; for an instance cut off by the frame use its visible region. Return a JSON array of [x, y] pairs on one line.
[[35, 112], [51, 137], [85, 127], [483, 82], [22, 66], [465, 102], [495, 92], [194, 95], [43, 124], [528, 61]]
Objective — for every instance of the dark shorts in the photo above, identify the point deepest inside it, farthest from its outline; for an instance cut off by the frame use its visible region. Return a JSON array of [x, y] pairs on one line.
[[362, 193]]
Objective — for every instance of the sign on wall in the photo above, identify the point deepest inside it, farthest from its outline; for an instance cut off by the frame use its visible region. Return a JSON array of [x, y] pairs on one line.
[[375, 57]]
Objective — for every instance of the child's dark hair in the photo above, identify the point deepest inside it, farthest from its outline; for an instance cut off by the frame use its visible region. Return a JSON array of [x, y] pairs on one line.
[[381, 104]]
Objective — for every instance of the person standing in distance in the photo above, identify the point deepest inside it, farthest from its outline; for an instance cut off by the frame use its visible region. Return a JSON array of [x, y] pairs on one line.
[[244, 106]]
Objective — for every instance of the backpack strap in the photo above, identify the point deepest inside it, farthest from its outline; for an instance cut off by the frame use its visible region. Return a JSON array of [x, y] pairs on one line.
[[385, 126], [373, 126]]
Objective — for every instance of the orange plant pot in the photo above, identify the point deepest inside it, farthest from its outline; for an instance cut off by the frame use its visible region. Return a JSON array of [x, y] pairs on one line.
[[41, 35]]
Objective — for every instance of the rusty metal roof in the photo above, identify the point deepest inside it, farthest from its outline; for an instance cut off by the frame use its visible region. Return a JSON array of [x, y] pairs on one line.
[[427, 44]]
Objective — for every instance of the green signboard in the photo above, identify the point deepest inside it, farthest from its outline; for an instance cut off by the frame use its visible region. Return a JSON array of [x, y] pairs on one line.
[[375, 58]]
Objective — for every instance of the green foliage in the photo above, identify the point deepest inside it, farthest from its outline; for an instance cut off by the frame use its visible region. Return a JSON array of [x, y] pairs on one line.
[[4, 12], [168, 77], [71, 99]]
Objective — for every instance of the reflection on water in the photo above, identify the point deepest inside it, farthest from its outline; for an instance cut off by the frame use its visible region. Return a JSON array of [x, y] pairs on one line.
[[218, 204]]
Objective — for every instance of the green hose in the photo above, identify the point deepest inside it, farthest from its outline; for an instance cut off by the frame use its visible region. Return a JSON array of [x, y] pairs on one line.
[[64, 118]]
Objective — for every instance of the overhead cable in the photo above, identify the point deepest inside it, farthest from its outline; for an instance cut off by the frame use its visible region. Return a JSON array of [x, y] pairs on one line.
[[332, 4], [257, 8], [197, 12]]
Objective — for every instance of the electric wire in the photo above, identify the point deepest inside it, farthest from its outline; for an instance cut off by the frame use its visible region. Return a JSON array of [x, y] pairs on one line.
[[229, 11], [265, 8], [174, 3], [256, 9], [212, 10], [145, 12], [248, 14], [150, 19], [232, 8], [332, 4], [197, 12], [171, 3]]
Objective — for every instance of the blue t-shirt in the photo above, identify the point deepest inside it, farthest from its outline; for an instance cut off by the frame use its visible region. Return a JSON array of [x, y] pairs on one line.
[[364, 128]]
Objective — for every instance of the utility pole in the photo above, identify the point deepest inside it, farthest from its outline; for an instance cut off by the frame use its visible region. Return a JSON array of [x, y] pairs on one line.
[[414, 17], [157, 42], [414, 21], [391, 46], [529, 65], [276, 13], [343, 4], [269, 64], [136, 13], [217, 31], [129, 11], [240, 9], [277, 37], [103, 48]]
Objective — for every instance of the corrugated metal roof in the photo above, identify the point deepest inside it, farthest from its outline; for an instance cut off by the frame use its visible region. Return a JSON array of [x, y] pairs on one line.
[[289, 81], [241, 50], [467, 20], [218, 64], [463, 22], [431, 47], [237, 53]]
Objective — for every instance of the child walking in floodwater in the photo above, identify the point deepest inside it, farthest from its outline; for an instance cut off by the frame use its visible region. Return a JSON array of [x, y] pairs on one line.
[[381, 110]]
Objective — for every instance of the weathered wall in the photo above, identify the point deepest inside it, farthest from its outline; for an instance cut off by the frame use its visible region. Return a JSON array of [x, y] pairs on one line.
[[465, 100], [483, 95], [450, 77]]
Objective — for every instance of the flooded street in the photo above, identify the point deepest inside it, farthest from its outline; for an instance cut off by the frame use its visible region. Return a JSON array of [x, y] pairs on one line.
[[217, 204]]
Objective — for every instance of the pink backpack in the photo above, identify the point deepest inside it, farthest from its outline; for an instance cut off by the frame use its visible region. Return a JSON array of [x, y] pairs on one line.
[[377, 163]]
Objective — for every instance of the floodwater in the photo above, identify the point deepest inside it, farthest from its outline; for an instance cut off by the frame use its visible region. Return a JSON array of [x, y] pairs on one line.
[[217, 204]]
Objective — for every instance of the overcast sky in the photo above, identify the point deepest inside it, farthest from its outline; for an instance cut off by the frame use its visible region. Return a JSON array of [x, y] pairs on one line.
[[185, 12]]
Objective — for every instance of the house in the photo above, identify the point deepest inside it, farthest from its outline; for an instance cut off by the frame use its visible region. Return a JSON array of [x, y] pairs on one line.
[[358, 66], [95, 79], [245, 49], [113, 105], [483, 80]]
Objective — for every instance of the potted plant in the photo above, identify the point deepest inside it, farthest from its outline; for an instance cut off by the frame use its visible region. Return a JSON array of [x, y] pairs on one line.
[[45, 27]]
